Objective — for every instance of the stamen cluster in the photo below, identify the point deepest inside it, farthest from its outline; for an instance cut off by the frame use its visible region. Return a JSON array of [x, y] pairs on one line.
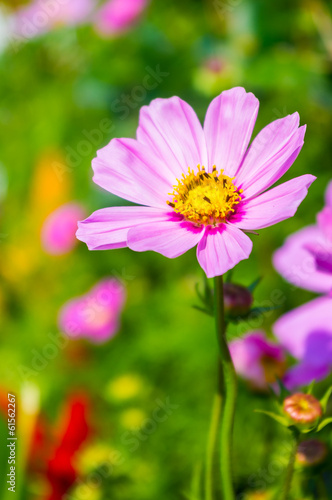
[[205, 198]]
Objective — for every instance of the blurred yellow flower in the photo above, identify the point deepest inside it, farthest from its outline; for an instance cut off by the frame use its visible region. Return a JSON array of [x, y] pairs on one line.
[[125, 387], [51, 185], [132, 418], [87, 490], [94, 456]]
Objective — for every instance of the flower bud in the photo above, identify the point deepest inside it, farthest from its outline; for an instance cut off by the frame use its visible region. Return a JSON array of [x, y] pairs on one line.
[[237, 299], [311, 452], [303, 409]]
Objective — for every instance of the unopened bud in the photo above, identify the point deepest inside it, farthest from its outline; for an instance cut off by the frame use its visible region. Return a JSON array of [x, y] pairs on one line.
[[311, 452], [237, 299], [303, 409]]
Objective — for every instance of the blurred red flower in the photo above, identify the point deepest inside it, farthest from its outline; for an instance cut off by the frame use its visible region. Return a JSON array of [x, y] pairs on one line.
[[54, 446]]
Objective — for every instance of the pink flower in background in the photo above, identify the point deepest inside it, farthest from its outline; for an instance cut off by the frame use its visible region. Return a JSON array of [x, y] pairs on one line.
[[58, 231], [306, 332], [40, 16], [96, 314], [257, 359], [305, 259], [198, 186], [116, 16]]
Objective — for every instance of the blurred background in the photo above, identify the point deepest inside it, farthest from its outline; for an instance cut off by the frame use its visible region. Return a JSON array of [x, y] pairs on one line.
[[128, 417]]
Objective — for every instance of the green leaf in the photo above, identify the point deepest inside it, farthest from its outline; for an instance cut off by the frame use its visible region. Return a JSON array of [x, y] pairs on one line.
[[325, 398], [229, 276], [203, 310], [194, 494], [253, 285], [284, 392], [325, 422], [281, 420], [206, 297], [199, 295], [190, 496], [261, 310], [256, 312], [311, 387]]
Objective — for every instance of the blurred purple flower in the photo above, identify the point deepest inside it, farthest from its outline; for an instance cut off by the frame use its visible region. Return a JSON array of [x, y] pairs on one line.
[[58, 231], [305, 259], [40, 16], [306, 332], [96, 314], [116, 16], [257, 359]]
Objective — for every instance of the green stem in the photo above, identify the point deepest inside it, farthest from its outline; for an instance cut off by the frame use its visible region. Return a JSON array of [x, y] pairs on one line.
[[289, 472], [211, 447], [230, 393], [195, 493]]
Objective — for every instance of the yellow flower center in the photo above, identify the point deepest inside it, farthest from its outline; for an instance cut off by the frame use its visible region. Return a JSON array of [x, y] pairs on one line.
[[205, 198]]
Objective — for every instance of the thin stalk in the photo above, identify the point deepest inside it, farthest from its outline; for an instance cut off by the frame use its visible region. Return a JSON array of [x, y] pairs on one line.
[[211, 447], [289, 472], [195, 493], [229, 394]]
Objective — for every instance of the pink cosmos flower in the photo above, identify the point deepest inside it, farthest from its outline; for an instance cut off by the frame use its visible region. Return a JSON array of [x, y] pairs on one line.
[[116, 16], [41, 16], [305, 259], [94, 315], [198, 185], [58, 231], [257, 359], [306, 332]]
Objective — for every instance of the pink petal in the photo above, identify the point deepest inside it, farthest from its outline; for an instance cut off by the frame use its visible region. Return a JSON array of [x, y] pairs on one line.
[[170, 238], [76, 11], [229, 122], [328, 195], [130, 170], [297, 263], [58, 231], [274, 205], [302, 328], [249, 351], [171, 129], [324, 220], [110, 293], [96, 314], [116, 16], [221, 248], [108, 228], [270, 155], [39, 17]]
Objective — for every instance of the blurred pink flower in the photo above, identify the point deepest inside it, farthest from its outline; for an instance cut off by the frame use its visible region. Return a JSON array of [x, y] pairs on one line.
[[306, 332], [94, 315], [58, 231], [40, 16], [257, 359], [305, 259], [116, 16], [210, 206]]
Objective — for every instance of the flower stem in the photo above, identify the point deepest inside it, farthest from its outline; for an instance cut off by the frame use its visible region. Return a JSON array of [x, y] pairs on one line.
[[211, 447], [229, 394], [289, 472]]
